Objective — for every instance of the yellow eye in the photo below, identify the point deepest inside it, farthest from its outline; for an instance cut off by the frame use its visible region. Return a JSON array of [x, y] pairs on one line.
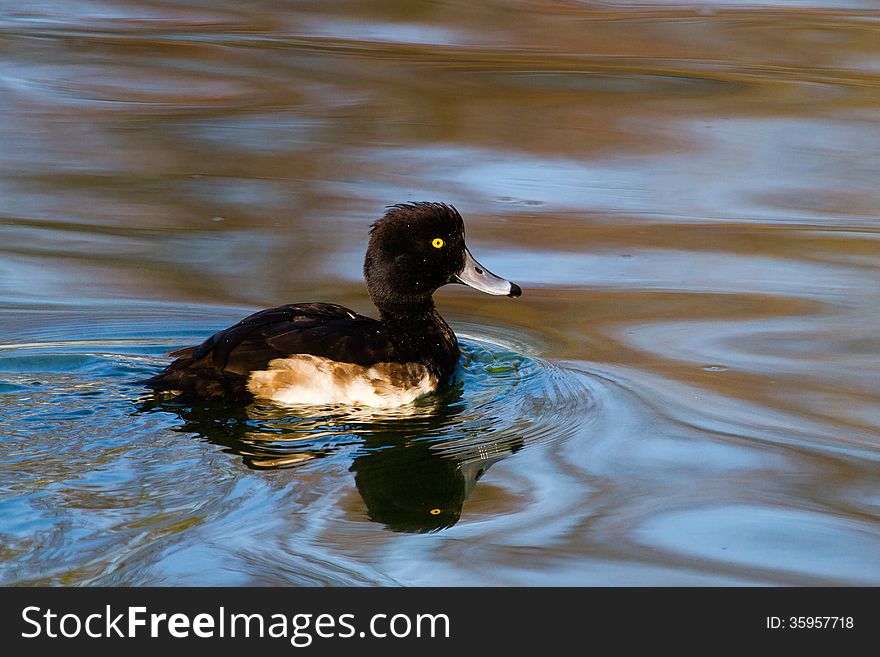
[[437, 244], [436, 512]]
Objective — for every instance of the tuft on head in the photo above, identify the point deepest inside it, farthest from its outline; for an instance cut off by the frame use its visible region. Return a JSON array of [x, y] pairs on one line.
[[419, 213]]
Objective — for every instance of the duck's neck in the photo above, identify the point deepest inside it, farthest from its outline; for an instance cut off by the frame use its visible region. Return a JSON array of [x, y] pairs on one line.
[[409, 311], [427, 335]]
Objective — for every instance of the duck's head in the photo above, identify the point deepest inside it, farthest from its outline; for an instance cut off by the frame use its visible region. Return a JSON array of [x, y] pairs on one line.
[[418, 247]]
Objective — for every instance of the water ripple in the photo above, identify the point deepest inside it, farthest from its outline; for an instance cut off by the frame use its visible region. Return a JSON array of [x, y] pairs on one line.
[[413, 467]]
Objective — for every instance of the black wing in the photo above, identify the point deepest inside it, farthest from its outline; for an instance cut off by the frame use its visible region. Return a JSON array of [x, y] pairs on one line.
[[219, 367]]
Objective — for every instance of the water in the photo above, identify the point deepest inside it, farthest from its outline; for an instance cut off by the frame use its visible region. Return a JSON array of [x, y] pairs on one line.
[[687, 393]]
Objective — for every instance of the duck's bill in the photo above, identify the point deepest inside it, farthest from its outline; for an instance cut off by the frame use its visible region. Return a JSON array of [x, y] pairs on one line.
[[480, 278]]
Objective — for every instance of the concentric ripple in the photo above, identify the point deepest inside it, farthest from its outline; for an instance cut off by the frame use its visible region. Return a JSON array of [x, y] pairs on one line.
[[415, 465], [71, 414]]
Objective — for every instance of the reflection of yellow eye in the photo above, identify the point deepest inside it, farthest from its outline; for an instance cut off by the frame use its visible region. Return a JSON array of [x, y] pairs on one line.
[[437, 244], [435, 512]]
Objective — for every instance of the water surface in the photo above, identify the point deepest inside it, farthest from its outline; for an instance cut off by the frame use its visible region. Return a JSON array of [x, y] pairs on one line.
[[687, 393]]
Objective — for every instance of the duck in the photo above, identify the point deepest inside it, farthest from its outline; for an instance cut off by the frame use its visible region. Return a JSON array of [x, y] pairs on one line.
[[328, 355]]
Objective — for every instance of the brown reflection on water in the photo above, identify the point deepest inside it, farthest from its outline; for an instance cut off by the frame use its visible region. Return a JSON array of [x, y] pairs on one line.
[[687, 194]]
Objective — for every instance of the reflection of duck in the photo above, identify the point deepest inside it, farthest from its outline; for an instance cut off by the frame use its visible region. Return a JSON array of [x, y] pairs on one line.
[[414, 487], [321, 353], [412, 473]]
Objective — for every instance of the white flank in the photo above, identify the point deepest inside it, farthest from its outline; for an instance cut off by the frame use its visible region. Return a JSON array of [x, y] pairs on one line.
[[306, 379]]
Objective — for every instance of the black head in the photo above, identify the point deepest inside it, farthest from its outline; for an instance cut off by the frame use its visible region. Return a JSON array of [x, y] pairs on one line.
[[418, 247]]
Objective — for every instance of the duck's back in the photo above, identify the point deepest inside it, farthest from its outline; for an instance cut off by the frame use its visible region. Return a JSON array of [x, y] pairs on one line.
[[309, 353]]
